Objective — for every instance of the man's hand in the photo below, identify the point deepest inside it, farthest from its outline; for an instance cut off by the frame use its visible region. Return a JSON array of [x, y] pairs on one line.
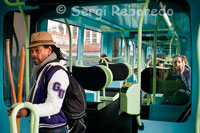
[[21, 113]]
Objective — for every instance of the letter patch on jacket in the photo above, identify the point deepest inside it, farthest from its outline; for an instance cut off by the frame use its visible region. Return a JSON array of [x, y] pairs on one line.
[[57, 88]]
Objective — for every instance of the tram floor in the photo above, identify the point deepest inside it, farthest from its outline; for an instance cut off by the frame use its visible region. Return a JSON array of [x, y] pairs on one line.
[[110, 120]]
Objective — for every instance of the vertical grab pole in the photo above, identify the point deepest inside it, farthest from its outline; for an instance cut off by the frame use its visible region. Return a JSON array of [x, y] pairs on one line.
[[9, 70], [154, 60], [20, 81], [198, 103], [140, 40], [170, 46], [70, 45], [11, 78], [139, 54], [21, 74]]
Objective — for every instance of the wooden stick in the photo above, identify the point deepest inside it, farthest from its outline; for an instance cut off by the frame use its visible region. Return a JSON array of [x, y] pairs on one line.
[[9, 70]]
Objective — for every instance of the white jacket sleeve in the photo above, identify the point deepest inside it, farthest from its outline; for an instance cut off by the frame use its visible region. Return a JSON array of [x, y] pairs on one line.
[[56, 89]]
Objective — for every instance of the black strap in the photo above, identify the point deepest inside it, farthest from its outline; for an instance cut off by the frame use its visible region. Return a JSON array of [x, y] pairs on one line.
[[55, 68]]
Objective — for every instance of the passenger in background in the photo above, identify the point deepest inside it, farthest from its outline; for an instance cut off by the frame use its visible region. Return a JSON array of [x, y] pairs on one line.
[[148, 59], [182, 77], [161, 72], [181, 72], [103, 56]]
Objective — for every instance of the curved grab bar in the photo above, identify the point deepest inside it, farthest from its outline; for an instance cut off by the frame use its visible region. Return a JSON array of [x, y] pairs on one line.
[[168, 59], [170, 46], [34, 117], [125, 45], [18, 3], [115, 58], [139, 65], [89, 59]]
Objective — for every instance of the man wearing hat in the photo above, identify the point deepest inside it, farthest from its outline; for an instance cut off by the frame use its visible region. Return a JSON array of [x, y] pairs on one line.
[[47, 97]]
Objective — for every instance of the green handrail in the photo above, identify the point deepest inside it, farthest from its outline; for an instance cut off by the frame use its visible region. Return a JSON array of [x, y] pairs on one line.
[[70, 45], [115, 58], [139, 50], [125, 43], [133, 65], [178, 48], [18, 3], [160, 59], [140, 41], [170, 46], [92, 59], [154, 59], [198, 103], [135, 30], [34, 122], [109, 76]]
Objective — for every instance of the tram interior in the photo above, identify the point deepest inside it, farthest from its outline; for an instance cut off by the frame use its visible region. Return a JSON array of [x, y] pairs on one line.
[[163, 36]]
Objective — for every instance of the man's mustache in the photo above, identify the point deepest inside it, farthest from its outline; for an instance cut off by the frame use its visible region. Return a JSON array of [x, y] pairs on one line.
[[35, 58]]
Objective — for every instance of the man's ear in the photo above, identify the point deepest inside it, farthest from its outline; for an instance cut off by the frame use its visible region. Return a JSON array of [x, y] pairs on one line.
[[50, 50]]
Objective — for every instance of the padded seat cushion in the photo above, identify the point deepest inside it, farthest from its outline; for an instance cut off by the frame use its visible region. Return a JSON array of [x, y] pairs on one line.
[[161, 85], [90, 78], [120, 71]]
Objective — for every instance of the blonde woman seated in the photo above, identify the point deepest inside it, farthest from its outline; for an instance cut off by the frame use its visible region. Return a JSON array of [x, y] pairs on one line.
[[181, 82], [181, 72]]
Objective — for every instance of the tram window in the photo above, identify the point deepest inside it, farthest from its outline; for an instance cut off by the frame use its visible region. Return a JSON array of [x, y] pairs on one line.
[[60, 35], [122, 47], [14, 29], [116, 50], [148, 53], [131, 50], [173, 75], [91, 46]]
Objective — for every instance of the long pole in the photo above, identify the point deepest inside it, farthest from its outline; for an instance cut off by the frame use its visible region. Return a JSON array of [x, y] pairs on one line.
[[9, 70]]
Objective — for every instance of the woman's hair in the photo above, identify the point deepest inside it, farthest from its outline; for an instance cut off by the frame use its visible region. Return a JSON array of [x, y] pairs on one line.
[[185, 60], [57, 51], [175, 56]]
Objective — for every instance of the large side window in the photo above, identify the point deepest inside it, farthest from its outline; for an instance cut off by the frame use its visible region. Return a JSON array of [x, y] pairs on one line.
[[91, 46], [60, 35]]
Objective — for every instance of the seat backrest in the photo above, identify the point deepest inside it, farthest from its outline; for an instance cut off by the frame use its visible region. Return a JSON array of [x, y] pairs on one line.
[[92, 78], [109, 75], [161, 85], [120, 71]]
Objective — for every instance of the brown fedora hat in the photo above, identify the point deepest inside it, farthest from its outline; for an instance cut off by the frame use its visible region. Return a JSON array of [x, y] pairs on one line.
[[41, 38]]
